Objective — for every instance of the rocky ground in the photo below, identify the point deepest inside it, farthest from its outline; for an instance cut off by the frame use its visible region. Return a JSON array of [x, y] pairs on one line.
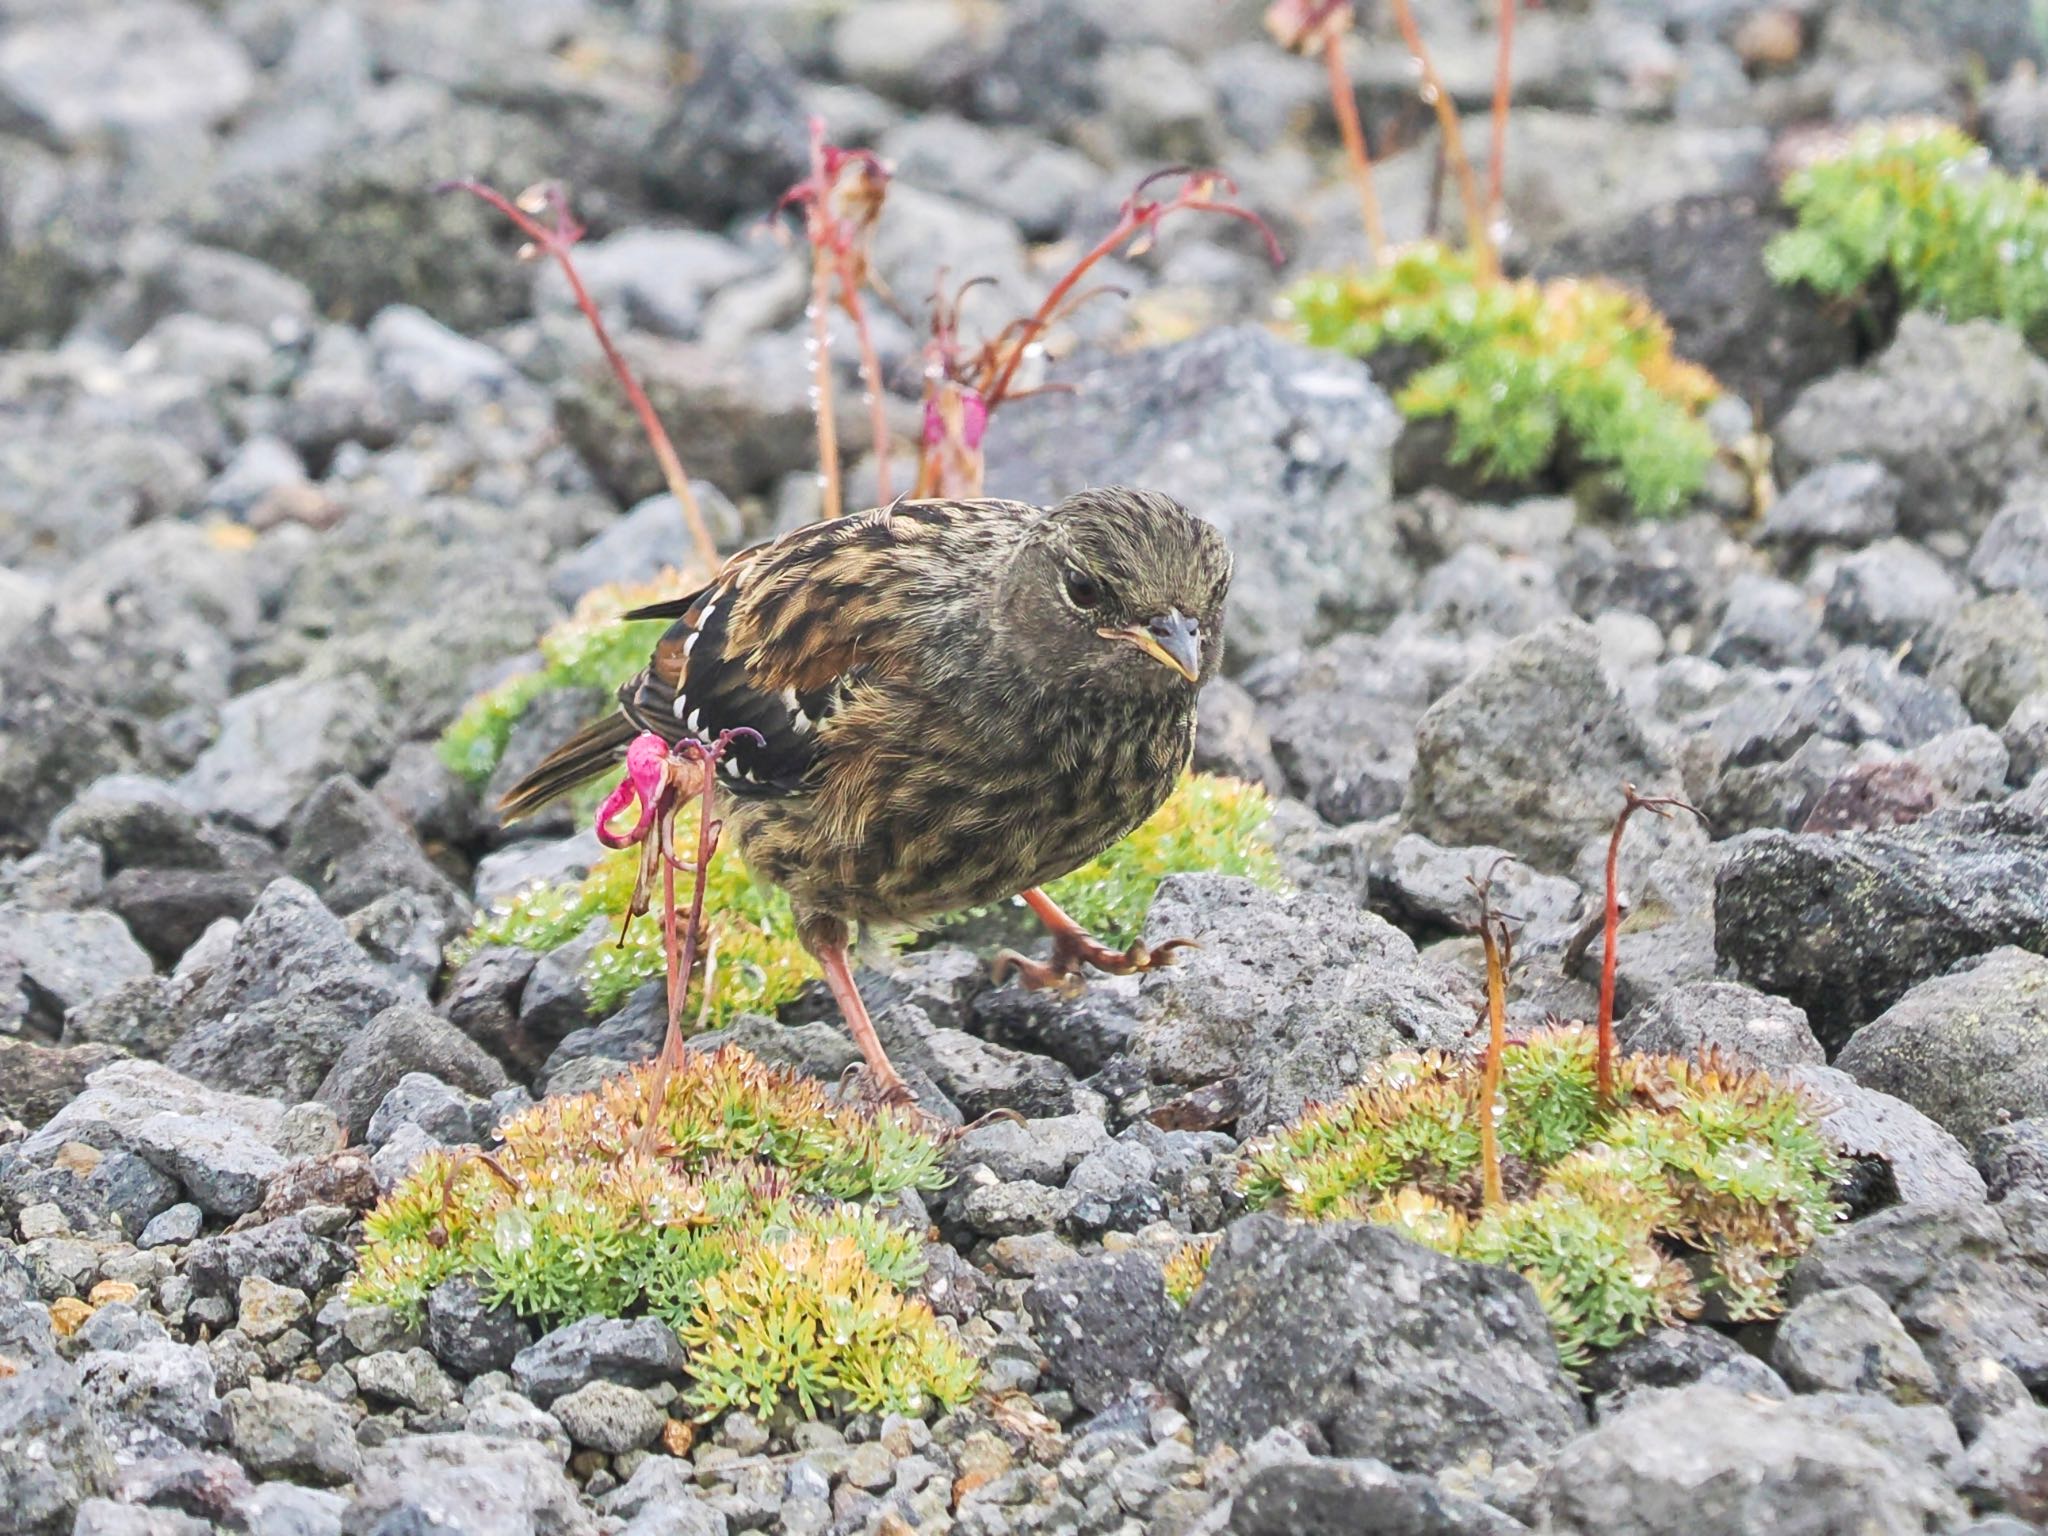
[[294, 458]]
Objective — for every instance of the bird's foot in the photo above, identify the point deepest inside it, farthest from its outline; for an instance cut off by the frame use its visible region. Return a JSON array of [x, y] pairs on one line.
[[878, 1090], [1073, 951]]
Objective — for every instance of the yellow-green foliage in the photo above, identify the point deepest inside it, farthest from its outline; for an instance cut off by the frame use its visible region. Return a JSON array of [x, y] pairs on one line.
[[1695, 1161], [590, 650], [1921, 202], [760, 964], [744, 1197], [1185, 1268], [1520, 366], [1208, 823]]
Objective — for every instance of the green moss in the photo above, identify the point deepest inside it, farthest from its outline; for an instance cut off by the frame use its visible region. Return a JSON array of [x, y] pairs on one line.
[[735, 1223], [1921, 205], [1522, 368], [1700, 1178]]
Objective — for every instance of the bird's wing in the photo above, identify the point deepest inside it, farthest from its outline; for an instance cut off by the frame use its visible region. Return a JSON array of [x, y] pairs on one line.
[[772, 644]]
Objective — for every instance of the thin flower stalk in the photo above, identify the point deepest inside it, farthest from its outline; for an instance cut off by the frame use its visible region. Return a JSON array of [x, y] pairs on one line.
[[1477, 236], [1319, 26], [557, 239], [841, 200], [1610, 931], [1503, 91], [1497, 944]]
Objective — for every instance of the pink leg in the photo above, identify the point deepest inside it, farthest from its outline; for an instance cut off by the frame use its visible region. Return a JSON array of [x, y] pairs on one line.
[[1074, 947], [888, 1085]]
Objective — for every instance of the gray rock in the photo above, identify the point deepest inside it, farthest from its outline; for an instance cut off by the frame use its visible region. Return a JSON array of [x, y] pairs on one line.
[[2012, 556], [433, 373], [640, 1352], [1955, 412], [404, 1039], [1922, 1163], [1230, 740], [1728, 1017], [351, 848], [1965, 1280], [279, 742], [154, 67], [1845, 925], [168, 910], [423, 1101], [139, 820], [505, 1415], [1530, 750], [1767, 623], [154, 1392], [2014, 1156], [733, 143], [410, 1378], [294, 990], [1969, 1048], [285, 1509], [1675, 1357], [1115, 1189], [465, 1486], [1432, 887], [1706, 1460], [294, 1250], [1890, 595], [1861, 695], [37, 1081], [1849, 503], [1287, 450], [222, 1147], [173, 1227], [974, 1075], [469, 1336], [52, 1456], [1994, 653], [103, 1517], [608, 1417], [64, 960], [1378, 1342], [2004, 1470], [2026, 738], [55, 738], [1338, 1496], [1044, 1151], [1848, 1341], [1104, 1322], [1295, 996], [651, 537]]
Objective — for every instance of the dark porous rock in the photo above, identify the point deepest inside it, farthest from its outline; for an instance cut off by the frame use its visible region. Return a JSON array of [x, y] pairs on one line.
[[482, 1000], [1230, 740], [1712, 1462], [1675, 1356], [422, 1101], [2007, 1469], [1967, 1281], [1378, 1343], [640, 1352], [294, 990], [63, 960], [52, 1455], [1845, 925], [1850, 503], [1045, 1151], [464, 1485], [1767, 623], [973, 1074], [141, 822], [1956, 412], [1896, 1153], [1994, 653], [468, 1335], [282, 1430], [1700, 261], [1727, 1017], [36, 1081], [1969, 1049], [1871, 796], [1432, 888], [152, 1392], [1337, 1496], [1529, 751], [55, 738], [1287, 450], [223, 1148], [352, 849], [295, 1250], [1857, 696], [1115, 1189], [279, 742], [404, 1038], [1104, 1322], [2013, 554], [1295, 995], [1890, 595], [733, 142], [1084, 1034], [1847, 1340], [2014, 1156], [168, 909]]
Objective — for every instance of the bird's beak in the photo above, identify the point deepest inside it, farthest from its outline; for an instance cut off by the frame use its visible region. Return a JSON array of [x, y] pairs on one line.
[[1172, 639]]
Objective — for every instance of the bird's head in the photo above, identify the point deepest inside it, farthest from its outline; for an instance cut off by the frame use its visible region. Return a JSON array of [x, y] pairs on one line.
[[1122, 589]]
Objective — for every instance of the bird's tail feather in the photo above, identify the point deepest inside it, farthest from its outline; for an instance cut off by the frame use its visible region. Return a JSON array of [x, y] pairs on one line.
[[578, 760]]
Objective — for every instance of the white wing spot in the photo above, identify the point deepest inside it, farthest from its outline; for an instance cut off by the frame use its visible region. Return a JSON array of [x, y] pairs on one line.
[[690, 642], [680, 705], [693, 722]]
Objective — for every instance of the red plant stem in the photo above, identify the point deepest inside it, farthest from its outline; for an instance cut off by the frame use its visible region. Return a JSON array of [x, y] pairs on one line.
[[1041, 318], [871, 382], [821, 376], [1496, 1046], [1610, 931], [1503, 87], [679, 938], [1345, 104], [665, 455], [1476, 236]]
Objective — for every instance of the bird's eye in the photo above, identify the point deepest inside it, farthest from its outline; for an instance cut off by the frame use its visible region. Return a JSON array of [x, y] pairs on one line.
[[1083, 590]]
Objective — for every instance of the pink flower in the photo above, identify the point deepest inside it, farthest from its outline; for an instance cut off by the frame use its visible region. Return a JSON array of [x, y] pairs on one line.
[[645, 784]]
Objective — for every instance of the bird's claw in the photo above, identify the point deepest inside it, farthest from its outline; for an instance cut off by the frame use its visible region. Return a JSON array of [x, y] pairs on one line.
[[878, 1090], [1071, 952]]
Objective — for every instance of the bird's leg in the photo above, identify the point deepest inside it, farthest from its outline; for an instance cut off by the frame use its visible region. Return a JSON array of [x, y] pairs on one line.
[[883, 1079], [1074, 947]]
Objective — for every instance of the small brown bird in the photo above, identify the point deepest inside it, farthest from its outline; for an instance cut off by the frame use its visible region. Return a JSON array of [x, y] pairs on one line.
[[956, 702]]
